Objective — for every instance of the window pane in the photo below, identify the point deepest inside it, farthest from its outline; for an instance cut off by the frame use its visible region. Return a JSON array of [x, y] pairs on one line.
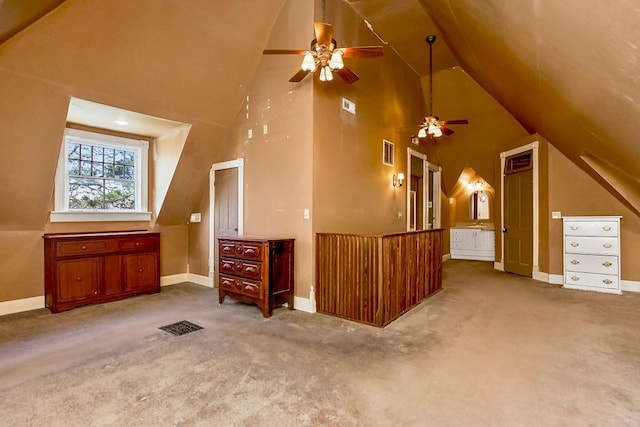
[[129, 172], [86, 193], [73, 150], [119, 157], [120, 195], [109, 171], [97, 169], [85, 152], [129, 157], [119, 171], [109, 155], [73, 167], [85, 168], [98, 154]]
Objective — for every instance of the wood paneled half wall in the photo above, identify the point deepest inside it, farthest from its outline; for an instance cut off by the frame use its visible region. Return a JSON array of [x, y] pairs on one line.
[[375, 279]]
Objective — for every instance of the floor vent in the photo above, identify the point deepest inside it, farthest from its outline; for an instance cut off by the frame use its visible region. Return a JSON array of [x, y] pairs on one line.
[[181, 328]]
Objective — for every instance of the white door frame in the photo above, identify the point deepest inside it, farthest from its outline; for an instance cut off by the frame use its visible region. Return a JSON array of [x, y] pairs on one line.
[[437, 176], [231, 164], [415, 153], [535, 268]]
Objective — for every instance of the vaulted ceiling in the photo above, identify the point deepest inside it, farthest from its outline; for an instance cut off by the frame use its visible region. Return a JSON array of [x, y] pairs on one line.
[[567, 70]]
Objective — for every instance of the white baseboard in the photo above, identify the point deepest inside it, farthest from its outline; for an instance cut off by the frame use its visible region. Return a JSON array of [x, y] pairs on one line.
[[303, 304], [173, 279], [630, 285], [541, 276], [556, 279], [186, 277], [24, 304], [498, 266], [446, 257], [200, 280]]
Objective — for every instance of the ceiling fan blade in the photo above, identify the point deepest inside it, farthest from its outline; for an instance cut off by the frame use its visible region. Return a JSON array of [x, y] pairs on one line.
[[283, 52], [347, 75], [446, 131], [456, 122], [362, 51], [297, 77], [324, 32]]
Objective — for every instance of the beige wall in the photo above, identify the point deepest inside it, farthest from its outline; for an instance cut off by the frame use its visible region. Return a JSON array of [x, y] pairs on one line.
[[277, 166], [573, 192], [353, 190]]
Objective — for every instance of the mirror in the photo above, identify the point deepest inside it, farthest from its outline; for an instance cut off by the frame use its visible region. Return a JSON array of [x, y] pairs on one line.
[[479, 205]]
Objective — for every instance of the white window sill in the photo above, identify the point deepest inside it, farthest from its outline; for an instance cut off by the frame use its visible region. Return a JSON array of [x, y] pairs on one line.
[[99, 216]]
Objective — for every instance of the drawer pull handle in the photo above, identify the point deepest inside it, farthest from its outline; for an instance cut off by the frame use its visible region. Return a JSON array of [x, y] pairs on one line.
[[574, 244], [606, 228], [141, 270], [574, 227], [607, 245], [607, 282], [607, 264], [83, 247], [137, 243], [575, 278], [575, 262], [79, 279]]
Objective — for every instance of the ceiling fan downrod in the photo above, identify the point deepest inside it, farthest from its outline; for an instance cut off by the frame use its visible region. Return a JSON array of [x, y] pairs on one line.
[[431, 40]]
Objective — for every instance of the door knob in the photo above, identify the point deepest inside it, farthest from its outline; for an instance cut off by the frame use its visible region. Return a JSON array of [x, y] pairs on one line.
[[504, 230]]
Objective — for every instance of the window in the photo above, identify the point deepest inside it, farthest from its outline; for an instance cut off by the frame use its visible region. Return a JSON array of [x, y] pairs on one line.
[[101, 178], [388, 153]]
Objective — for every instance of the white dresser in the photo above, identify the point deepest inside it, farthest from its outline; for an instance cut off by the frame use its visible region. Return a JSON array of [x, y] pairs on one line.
[[472, 243], [592, 253]]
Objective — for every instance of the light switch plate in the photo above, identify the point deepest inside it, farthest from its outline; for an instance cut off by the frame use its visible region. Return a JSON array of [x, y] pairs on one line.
[[195, 217], [349, 106], [556, 214], [305, 213]]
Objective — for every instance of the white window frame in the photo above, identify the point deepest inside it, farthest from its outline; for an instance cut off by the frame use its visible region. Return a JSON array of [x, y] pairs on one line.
[[392, 153], [141, 150]]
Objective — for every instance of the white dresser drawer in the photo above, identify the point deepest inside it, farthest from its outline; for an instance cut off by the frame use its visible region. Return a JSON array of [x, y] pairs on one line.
[[592, 245], [591, 279], [603, 264], [591, 228]]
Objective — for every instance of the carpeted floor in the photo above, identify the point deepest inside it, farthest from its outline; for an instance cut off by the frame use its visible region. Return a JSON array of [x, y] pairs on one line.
[[491, 349]]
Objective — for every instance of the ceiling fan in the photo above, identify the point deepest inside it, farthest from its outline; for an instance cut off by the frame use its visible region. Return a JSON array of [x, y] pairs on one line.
[[326, 56], [432, 126]]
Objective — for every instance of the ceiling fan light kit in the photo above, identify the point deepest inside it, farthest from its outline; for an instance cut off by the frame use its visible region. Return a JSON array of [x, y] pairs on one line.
[[432, 126], [326, 57]]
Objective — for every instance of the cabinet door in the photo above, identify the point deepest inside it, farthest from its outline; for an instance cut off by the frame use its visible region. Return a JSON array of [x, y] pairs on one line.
[[79, 279], [140, 271]]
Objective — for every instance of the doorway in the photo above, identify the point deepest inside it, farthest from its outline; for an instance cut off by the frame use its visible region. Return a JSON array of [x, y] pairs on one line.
[[423, 192], [518, 214], [519, 169], [226, 182]]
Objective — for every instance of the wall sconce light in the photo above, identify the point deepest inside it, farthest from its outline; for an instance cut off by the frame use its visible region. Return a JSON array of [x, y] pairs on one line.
[[398, 180]]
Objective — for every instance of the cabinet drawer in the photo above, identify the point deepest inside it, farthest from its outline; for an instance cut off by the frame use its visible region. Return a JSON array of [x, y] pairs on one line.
[[591, 228], [591, 279], [142, 243], [81, 247], [592, 263], [592, 245], [240, 285], [252, 270], [241, 249]]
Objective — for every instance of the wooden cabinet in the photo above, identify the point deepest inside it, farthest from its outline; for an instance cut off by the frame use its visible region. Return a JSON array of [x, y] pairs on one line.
[[592, 253], [99, 267], [258, 271], [472, 243]]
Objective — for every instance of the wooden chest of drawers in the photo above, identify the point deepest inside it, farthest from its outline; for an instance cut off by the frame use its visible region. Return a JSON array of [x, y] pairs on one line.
[[592, 253], [258, 271], [99, 267]]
